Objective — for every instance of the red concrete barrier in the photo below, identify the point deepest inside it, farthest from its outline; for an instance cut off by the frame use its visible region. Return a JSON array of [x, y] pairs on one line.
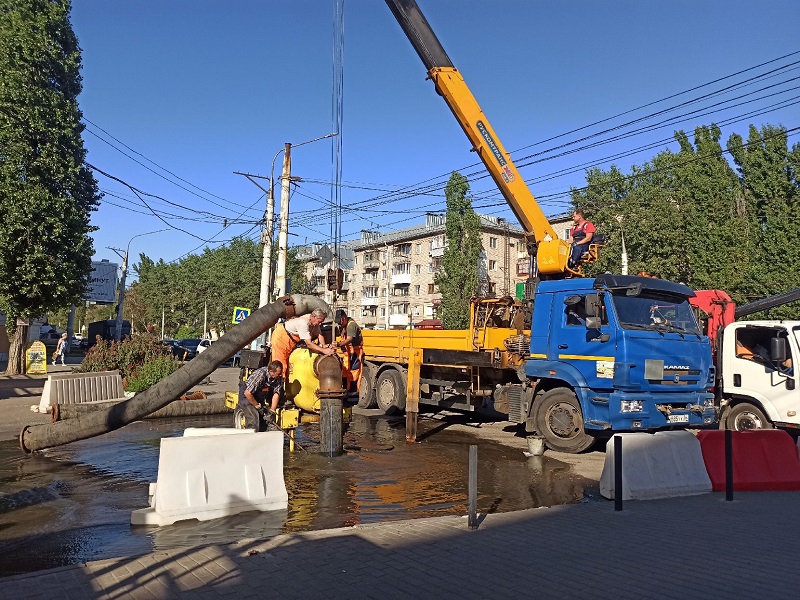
[[763, 459]]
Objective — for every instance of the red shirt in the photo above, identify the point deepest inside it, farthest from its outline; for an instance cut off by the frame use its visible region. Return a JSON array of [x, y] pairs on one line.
[[579, 231]]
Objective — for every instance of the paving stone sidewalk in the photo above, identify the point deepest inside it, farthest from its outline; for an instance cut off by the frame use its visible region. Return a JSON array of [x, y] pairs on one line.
[[681, 548]]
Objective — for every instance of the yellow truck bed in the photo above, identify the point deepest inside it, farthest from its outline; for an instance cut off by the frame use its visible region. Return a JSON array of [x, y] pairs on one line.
[[395, 345]]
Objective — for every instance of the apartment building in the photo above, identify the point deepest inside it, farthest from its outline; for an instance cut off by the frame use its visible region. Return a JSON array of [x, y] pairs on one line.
[[389, 277], [391, 284]]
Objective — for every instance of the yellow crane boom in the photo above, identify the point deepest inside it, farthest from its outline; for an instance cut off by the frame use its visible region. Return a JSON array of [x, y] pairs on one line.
[[550, 252]]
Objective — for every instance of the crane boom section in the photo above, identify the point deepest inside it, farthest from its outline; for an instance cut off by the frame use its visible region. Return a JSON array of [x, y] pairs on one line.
[[551, 252], [451, 85]]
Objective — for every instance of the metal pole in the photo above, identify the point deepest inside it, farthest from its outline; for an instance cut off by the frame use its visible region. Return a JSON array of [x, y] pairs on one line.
[[121, 303], [162, 321], [120, 306], [388, 286], [617, 473], [472, 520]]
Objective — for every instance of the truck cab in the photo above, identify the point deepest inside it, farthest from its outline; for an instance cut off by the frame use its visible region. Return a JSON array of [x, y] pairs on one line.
[[757, 376], [621, 353]]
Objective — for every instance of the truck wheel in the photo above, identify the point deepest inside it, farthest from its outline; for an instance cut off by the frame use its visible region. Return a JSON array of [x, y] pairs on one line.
[[366, 394], [560, 420], [390, 392], [745, 416]]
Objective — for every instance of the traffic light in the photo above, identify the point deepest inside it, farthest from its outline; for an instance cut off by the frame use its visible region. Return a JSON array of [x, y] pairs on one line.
[[335, 280]]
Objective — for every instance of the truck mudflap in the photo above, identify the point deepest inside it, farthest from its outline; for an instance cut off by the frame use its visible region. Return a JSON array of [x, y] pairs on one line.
[[629, 411]]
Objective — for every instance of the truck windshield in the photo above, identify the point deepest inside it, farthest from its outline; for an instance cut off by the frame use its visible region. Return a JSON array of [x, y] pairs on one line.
[[656, 312]]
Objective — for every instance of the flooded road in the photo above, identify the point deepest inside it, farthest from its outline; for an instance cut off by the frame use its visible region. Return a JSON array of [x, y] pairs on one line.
[[72, 504]]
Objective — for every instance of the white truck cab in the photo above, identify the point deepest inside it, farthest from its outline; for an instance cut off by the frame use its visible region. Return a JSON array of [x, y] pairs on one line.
[[757, 379]]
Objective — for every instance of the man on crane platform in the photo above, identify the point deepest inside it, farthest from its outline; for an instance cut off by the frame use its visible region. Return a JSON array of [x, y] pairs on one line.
[[580, 237]]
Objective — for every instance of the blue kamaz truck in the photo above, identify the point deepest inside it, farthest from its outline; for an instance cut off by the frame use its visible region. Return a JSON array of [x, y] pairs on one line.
[[595, 356]]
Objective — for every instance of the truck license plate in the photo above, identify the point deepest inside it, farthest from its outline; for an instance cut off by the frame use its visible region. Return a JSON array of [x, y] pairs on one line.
[[677, 418]]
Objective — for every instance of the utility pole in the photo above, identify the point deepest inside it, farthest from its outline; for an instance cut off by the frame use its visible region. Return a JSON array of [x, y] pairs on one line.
[[121, 303], [121, 296], [283, 231]]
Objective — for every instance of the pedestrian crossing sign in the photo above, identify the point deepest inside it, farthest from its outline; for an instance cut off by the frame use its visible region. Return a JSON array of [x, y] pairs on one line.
[[240, 314]]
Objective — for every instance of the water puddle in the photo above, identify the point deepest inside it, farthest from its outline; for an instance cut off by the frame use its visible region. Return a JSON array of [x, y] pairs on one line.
[[72, 504]]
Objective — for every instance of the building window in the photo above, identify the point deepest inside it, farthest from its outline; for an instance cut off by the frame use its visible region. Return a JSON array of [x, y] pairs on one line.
[[418, 269], [383, 311], [383, 274], [492, 242], [431, 288], [402, 269], [355, 260], [416, 290], [419, 248], [492, 265]]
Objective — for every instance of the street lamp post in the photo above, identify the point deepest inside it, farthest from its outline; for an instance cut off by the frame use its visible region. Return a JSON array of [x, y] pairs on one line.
[[121, 304]]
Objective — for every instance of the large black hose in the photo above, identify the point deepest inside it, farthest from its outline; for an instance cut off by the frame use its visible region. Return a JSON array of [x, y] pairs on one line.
[[39, 437]]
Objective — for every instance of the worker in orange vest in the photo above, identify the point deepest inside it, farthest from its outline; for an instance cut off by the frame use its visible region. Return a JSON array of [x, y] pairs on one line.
[[352, 346]]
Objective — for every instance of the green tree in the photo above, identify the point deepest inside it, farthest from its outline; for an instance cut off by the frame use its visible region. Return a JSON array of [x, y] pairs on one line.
[[296, 273], [458, 277], [197, 289], [46, 192], [682, 214], [768, 175]]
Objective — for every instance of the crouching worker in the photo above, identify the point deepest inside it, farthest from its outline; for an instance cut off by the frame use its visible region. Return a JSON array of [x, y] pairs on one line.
[[352, 346], [260, 396]]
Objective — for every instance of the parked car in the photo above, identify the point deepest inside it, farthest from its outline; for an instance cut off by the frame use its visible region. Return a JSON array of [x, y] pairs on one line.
[[187, 348], [180, 351], [203, 345]]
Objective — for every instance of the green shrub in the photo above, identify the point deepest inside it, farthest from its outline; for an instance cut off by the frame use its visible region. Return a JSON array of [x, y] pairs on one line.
[[130, 356], [185, 331], [150, 373]]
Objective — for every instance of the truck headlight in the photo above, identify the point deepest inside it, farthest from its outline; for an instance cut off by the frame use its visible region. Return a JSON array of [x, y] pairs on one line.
[[709, 403], [631, 406]]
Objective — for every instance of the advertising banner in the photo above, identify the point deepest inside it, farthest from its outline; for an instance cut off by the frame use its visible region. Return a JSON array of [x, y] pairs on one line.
[[103, 283]]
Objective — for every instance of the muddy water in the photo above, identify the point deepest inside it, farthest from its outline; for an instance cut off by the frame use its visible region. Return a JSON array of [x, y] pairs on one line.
[[72, 504]]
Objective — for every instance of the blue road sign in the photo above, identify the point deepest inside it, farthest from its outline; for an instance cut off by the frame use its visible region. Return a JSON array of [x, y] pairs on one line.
[[240, 314]]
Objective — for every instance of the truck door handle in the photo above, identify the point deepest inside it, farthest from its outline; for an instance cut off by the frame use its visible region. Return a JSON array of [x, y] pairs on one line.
[[562, 346]]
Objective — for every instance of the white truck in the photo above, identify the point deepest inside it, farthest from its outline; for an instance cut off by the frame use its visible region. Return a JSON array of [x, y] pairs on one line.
[[757, 380]]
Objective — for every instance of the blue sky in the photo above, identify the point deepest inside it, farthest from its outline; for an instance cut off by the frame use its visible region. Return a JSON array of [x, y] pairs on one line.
[[194, 90]]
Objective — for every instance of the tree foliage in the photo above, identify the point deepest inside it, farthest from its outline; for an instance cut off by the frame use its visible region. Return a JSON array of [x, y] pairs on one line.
[[706, 216], [458, 277], [46, 192], [199, 288]]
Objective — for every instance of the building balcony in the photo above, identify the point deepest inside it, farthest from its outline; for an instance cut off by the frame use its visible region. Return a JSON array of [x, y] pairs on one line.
[[437, 252], [401, 278], [372, 264], [398, 320], [369, 301]]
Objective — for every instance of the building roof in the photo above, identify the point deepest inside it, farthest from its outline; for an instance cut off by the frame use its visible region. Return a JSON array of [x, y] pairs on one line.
[[434, 224]]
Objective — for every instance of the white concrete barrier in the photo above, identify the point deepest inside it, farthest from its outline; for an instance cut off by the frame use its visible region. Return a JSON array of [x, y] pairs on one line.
[[202, 478], [197, 431], [77, 388], [661, 465]]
